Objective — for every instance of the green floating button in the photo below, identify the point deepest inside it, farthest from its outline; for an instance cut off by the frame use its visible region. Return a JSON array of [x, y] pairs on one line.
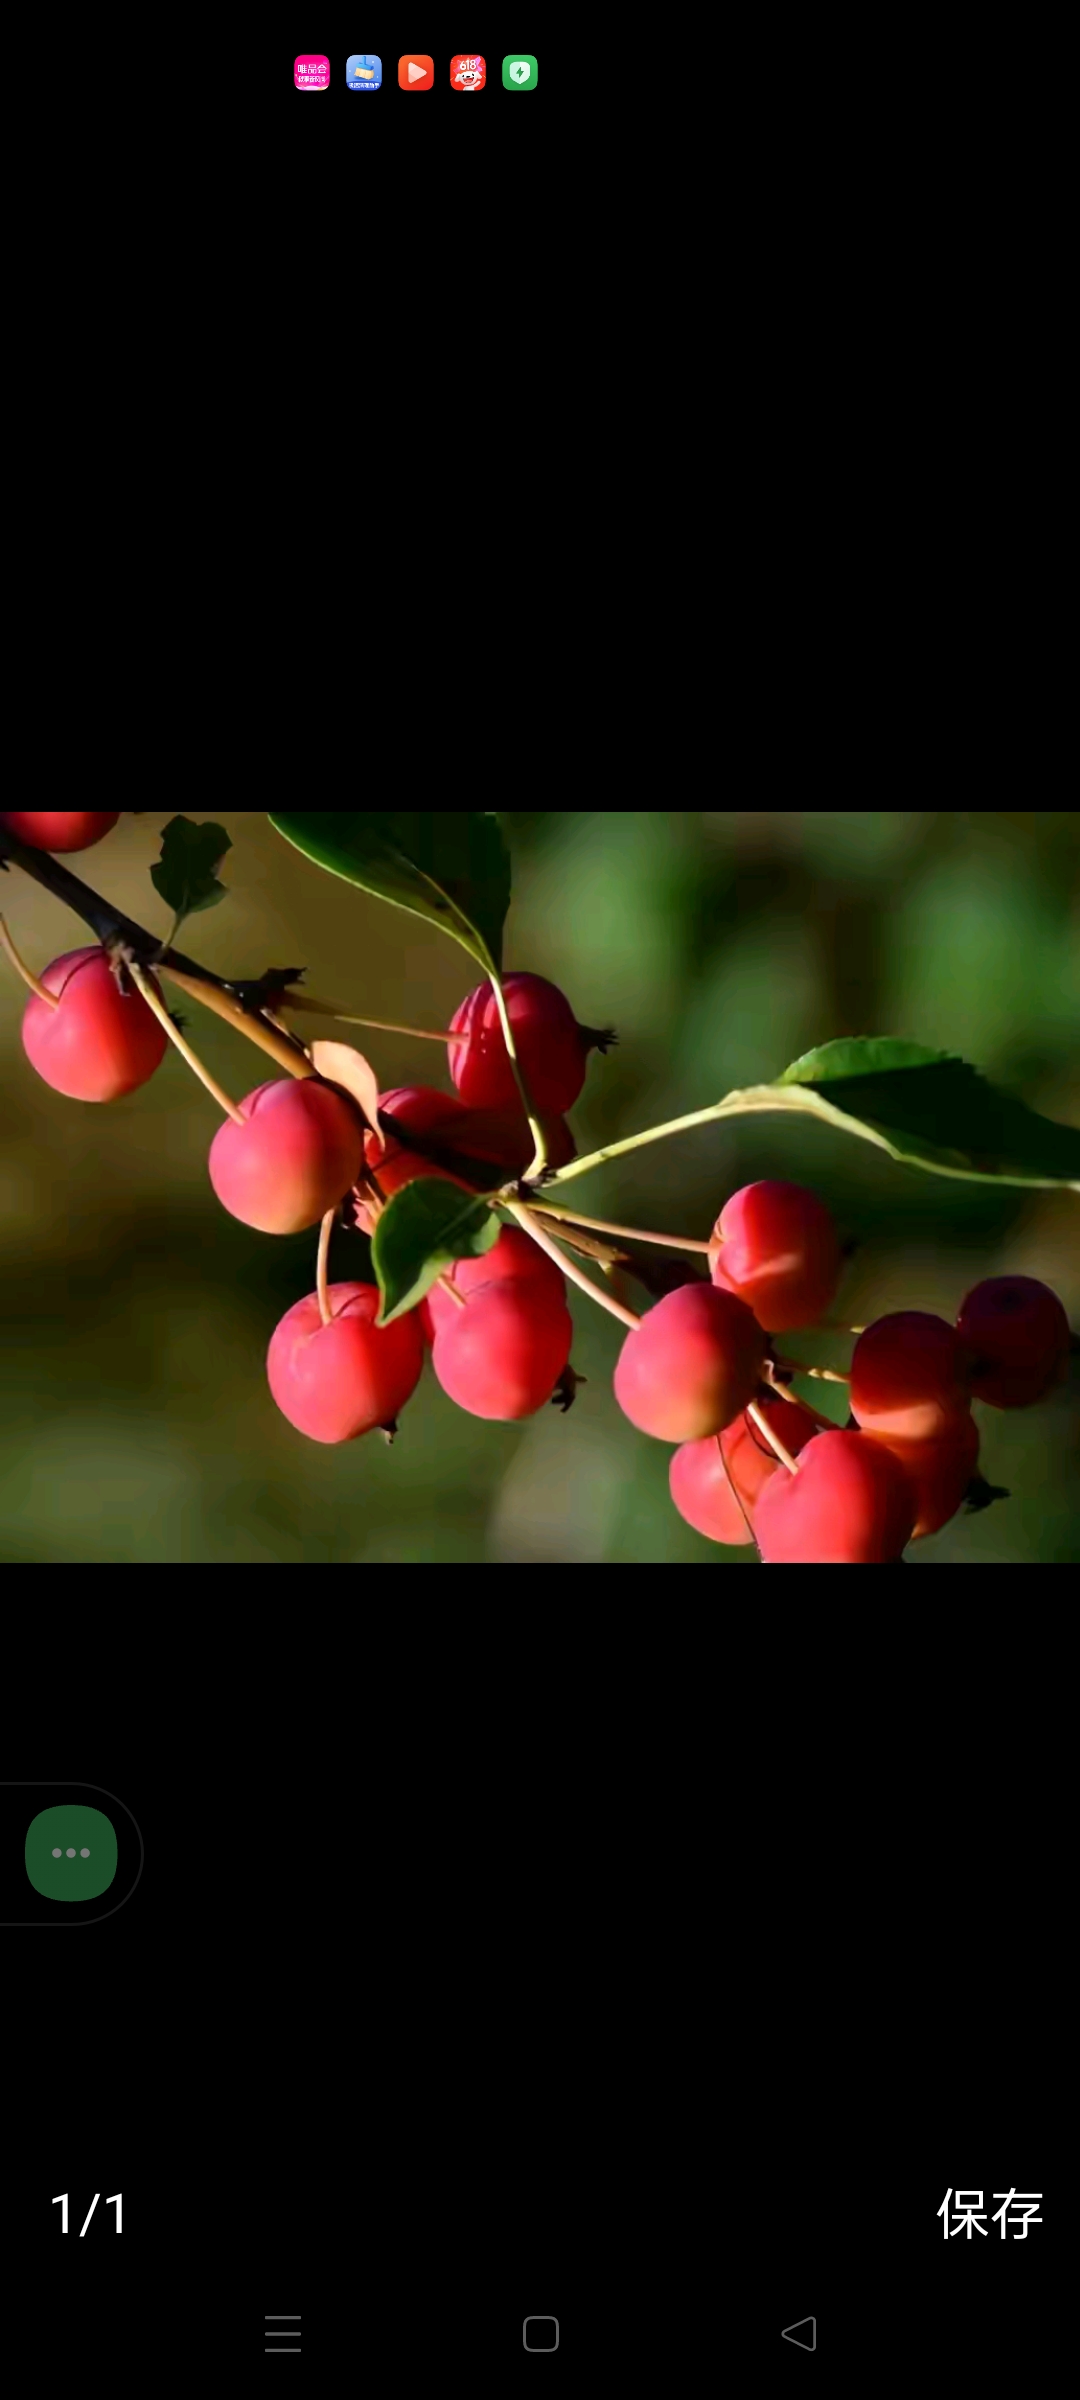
[[71, 1853]]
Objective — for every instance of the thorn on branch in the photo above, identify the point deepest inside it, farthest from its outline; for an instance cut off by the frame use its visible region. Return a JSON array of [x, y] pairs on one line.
[[566, 1390], [265, 990], [980, 1495], [119, 954]]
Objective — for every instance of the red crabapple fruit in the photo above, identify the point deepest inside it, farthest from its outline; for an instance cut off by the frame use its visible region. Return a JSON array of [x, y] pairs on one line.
[[691, 1365], [514, 1259], [335, 1382], [428, 1116], [100, 1042], [501, 1355], [700, 1488], [907, 1377], [419, 1111], [939, 1472], [503, 1136], [1015, 1338], [58, 829], [552, 1047], [775, 1246], [849, 1505], [295, 1156]]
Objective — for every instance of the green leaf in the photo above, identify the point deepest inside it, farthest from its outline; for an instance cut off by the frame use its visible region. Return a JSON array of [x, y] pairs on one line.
[[450, 865], [933, 1111], [924, 1107], [186, 874], [871, 1054], [421, 1231]]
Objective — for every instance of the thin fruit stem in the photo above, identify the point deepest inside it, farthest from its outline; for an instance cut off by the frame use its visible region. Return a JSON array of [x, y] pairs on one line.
[[342, 1016], [772, 1438], [629, 1233], [152, 996], [782, 1393], [736, 1496], [794, 1366], [576, 1274], [452, 1292], [31, 980], [278, 1045], [535, 1128], [325, 1231], [635, 1141]]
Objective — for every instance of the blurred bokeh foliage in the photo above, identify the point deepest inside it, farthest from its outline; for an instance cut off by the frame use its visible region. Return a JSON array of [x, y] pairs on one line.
[[137, 1425]]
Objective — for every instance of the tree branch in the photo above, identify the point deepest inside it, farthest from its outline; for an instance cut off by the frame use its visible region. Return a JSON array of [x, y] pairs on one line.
[[232, 1001]]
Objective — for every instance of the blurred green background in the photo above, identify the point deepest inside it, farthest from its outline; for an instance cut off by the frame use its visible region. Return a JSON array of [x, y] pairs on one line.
[[137, 1424]]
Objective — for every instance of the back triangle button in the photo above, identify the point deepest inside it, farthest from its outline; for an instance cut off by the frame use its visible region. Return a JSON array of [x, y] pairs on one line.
[[804, 2333]]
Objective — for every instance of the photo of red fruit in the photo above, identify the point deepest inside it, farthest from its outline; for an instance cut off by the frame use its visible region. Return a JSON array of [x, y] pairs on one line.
[[59, 829], [552, 1048], [702, 1473], [775, 1246], [850, 1504], [938, 1471], [1015, 1338], [294, 1157], [907, 1377], [100, 1043], [514, 1259], [691, 1366], [834, 1270], [339, 1381], [502, 1354]]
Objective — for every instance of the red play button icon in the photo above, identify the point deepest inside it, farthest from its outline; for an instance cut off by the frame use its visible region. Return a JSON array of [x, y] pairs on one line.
[[416, 74]]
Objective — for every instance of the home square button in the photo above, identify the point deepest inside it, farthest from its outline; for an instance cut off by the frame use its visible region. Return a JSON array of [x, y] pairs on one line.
[[541, 2333]]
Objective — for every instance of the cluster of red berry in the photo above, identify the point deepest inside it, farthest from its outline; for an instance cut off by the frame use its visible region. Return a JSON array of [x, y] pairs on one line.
[[700, 1370], [757, 1465], [498, 1327]]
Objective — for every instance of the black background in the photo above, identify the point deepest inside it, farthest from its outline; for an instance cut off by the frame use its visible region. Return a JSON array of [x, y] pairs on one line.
[[508, 1952], [905, 1985], [161, 2053]]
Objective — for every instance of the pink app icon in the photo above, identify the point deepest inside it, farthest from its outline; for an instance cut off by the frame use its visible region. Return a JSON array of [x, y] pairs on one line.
[[311, 74]]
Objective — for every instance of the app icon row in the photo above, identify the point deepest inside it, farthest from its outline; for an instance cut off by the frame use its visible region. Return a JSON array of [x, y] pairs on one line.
[[416, 73]]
